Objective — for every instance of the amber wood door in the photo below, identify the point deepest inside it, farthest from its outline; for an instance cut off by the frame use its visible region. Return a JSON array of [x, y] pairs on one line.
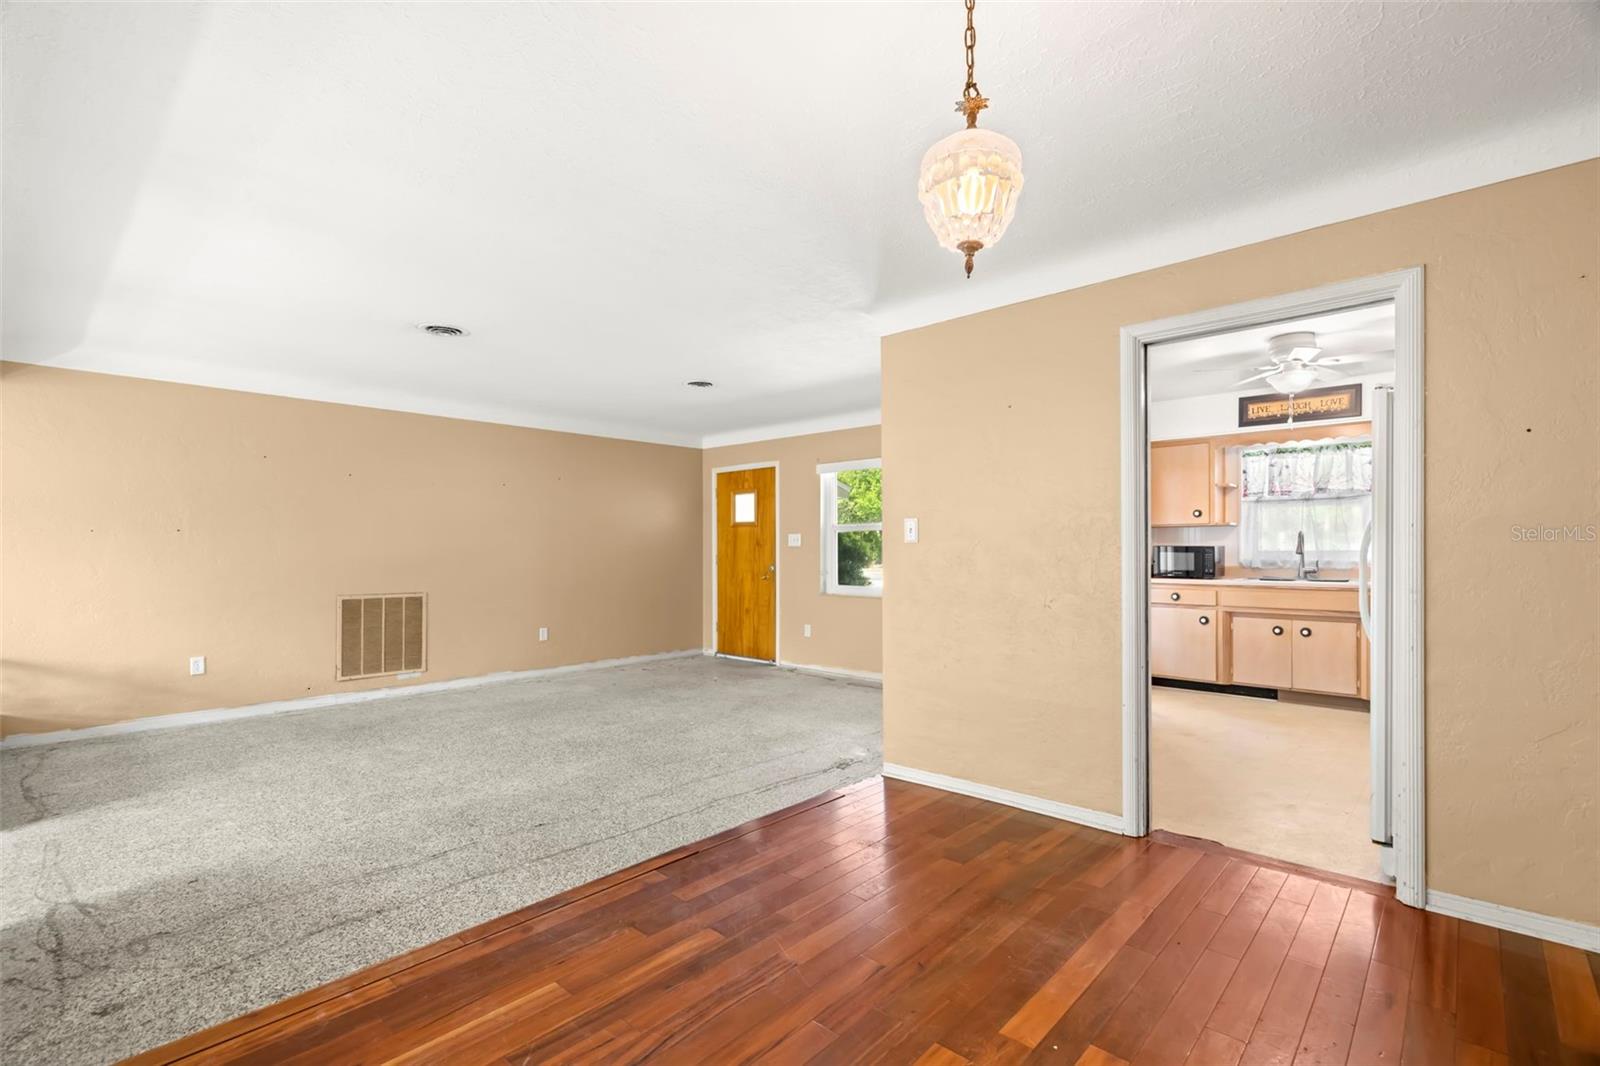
[[1180, 484], [747, 570], [1262, 652], [1183, 642], [1327, 656]]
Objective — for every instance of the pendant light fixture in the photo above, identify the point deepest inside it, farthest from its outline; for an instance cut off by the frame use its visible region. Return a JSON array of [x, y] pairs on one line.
[[970, 181]]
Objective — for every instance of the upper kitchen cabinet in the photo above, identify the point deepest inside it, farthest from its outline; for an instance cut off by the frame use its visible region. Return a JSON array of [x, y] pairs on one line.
[[1190, 484]]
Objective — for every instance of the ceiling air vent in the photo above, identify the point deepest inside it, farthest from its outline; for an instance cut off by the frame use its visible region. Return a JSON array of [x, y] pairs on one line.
[[381, 635], [441, 330]]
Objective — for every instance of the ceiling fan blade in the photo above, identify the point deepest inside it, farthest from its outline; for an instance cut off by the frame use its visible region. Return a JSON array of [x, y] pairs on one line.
[[1257, 377]]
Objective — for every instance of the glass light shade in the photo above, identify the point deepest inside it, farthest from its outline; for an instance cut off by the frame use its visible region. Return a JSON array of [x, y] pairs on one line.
[[969, 185], [1294, 380]]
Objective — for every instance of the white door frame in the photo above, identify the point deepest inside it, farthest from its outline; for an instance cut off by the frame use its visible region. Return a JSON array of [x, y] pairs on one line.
[[1404, 287], [777, 558]]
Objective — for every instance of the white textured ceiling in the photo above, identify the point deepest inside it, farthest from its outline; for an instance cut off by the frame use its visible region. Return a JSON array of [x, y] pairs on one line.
[[616, 199]]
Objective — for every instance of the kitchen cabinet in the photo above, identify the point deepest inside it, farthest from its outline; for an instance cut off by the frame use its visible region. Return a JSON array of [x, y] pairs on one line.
[[1263, 652], [1180, 484], [1327, 656], [1194, 483], [1183, 642], [1295, 638]]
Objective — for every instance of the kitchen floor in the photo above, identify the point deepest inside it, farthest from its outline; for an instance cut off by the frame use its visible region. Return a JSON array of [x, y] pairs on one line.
[[1280, 778]]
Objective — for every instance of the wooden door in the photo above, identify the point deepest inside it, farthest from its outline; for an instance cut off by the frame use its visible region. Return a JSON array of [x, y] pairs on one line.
[[1262, 652], [1183, 642], [747, 570], [1327, 656], [1180, 484]]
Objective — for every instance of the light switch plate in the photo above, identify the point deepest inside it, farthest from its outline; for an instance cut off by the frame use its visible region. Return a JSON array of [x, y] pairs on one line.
[[808, 629], [197, 665], [544, 633], [794, 540], [911, 531]]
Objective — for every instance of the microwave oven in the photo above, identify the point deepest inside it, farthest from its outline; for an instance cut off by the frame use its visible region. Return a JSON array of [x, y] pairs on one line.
[[1186, 560]]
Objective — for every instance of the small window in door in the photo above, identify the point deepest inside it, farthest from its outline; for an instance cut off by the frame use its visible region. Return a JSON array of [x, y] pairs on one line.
[[744, 508]]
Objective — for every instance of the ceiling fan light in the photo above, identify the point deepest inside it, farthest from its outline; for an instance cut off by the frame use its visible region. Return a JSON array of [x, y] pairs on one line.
[[1293, 380]]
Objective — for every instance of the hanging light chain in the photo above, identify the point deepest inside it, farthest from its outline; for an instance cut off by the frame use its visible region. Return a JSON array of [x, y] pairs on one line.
[[972, 43], [972, 101]]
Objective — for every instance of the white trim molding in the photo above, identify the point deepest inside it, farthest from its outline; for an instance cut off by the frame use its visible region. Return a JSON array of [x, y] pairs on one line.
[[1110, 823], [184, 719], [1557, 930], [866, 677], [1405, 288]]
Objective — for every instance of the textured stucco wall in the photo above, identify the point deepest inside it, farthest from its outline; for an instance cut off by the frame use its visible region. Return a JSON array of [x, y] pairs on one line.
[[1002, 636], [145, 522]]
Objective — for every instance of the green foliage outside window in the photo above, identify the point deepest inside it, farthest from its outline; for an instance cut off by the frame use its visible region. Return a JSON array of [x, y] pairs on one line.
[[860, 496]]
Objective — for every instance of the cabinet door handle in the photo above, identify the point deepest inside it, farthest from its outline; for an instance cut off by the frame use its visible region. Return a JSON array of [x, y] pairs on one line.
[[1196, 512], [1277, 631], [1175, 596], [1305, 631], [1204, 620]]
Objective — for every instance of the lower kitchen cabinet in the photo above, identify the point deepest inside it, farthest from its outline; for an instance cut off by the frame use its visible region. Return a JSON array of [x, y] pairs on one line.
[[1262, 652], [1183, 642], [1327, 656], [1290, 639]]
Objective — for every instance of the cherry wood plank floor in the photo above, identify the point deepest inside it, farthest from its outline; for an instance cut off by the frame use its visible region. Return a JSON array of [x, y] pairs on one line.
[[894, 923]]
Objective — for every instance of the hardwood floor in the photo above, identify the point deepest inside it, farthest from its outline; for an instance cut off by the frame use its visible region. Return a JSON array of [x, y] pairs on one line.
[[895, 923]]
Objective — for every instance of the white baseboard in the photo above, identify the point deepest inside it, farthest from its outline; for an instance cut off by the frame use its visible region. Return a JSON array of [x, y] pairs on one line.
[[1558, 930], [1111, 823], [866, 676], [333, 699]]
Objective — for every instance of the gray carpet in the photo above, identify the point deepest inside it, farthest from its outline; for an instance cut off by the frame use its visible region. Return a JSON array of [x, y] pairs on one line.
[[157, 883]]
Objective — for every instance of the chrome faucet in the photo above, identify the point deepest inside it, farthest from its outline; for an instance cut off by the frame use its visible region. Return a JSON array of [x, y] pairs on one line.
[[1301, 571]]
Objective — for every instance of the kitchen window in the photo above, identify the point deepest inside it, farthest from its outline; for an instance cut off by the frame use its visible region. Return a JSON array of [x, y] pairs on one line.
[[852, 527], [1322, 488]]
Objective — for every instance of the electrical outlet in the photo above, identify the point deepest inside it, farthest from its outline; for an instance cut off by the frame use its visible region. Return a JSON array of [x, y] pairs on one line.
[[911, 531], [544, 633], [197, 665], [794, 540], [808, 629]]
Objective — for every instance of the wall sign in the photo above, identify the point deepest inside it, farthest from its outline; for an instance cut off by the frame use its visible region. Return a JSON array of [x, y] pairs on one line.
[[1313, 405]]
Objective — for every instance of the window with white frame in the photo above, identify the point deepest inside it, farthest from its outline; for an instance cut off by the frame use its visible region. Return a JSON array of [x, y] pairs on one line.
[[852, 527], [1319, 488]]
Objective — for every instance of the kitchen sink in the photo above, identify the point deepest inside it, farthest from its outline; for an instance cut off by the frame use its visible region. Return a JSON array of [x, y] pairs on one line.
[[1322, 580]]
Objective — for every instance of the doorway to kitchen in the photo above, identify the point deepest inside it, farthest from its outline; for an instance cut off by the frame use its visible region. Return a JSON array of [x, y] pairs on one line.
[[1271, 569]]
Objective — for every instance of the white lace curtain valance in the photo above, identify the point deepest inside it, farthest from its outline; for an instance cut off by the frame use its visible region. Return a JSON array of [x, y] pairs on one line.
[[1306, 470]]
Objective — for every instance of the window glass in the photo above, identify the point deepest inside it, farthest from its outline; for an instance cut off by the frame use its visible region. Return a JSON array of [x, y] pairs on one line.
[[860, 496], [852, 535], [744, 508], [860, 553]]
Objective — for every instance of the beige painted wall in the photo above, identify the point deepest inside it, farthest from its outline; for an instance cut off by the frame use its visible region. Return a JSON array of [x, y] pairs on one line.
[[846, 631], [1001, 633], [145, 522]]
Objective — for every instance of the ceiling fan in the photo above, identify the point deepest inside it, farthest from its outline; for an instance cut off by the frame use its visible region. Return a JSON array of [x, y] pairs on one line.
[[1296, 364]]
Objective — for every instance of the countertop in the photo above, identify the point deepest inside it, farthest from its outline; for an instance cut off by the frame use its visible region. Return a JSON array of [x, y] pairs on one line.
[[1254, 582]]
